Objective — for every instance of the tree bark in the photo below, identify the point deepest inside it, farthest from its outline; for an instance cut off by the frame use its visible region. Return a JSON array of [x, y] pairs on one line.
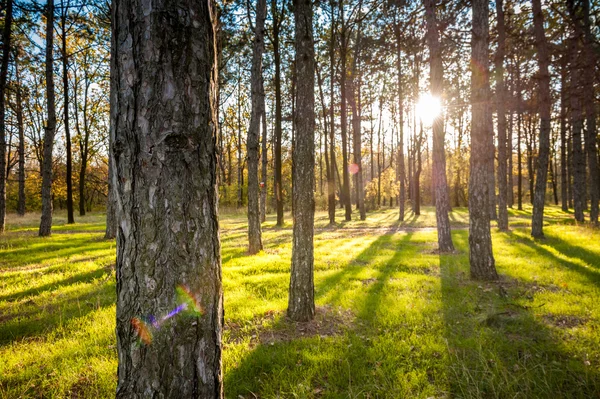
[[165, 154], [21, 128], [541, 180], [440, 184], [252, 143], [278, 189], [480, 240], [65, 77], [344, 115], [501, 110], [564, 182], [301, 304], [46, 220], [6, 39], [332, 163]]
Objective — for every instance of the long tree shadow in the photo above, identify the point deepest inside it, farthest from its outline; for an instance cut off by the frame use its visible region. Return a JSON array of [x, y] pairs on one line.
[[39, 316], [497, 347], [335, 365]]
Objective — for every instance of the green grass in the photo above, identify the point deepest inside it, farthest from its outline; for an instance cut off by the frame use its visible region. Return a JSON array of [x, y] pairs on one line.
[[394, 318]]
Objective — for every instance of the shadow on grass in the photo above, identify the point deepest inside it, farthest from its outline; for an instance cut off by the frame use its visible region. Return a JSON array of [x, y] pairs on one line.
[[43, 316], [332, 365], [497, 349]]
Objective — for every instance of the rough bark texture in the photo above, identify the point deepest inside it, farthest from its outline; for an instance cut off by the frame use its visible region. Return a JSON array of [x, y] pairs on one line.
[[65, 79], [480, 241], [166, 180], [46, 220], [6, 34], [252, 144], [301, 303], [440, 184], [544, 103], [501, 110], [278, 189]]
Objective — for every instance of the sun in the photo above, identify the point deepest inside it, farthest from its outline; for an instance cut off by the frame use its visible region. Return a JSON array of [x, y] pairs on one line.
[[428, 108]]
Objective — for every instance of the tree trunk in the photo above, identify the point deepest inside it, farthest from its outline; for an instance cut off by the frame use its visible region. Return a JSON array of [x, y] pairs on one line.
[[590, 102], [6, 36], [165, 154], [501, 109], [480, 240], [564, 183], [344, 116], [301, 304], [65, 66], [541, 180], [440, 184], [46, 220], [578, 159], [278, 189], [356, 124], [21, 127], [331, 180], [401, 171], [263, 174], [252, 143]]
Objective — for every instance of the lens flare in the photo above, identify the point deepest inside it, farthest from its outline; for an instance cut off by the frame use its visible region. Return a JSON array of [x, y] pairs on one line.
[[353, 168], [188, 299], [142, 330]]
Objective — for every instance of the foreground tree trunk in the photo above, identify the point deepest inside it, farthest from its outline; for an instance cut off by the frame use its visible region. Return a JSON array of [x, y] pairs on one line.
[[440, 184], [301, 303], [544, 143], [254, 228], [6, 33], [166, 181], [501, 109], [46, 220], [65, 78], [480, 240]]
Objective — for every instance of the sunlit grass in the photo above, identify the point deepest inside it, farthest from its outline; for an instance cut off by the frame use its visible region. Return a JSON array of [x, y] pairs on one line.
[[416, 325]]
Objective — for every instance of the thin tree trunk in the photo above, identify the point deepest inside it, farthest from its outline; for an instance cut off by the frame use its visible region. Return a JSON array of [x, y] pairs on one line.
[[501, 109], [6, 39], [564, 182], [578, 159], [46, 220], [401, 171], [480, 240], [440, 184], [301, 304], [252, 142], [278, 189], [65, 63], [331, 180], [166, 181], [545, 114], [264, 155], [344, 116], [21, 127]]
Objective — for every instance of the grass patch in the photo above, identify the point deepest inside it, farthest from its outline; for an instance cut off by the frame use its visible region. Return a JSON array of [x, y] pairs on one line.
[[394, 319]]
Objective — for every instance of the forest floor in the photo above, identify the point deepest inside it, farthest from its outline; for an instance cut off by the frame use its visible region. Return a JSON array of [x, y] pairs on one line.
[[394, 318]]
